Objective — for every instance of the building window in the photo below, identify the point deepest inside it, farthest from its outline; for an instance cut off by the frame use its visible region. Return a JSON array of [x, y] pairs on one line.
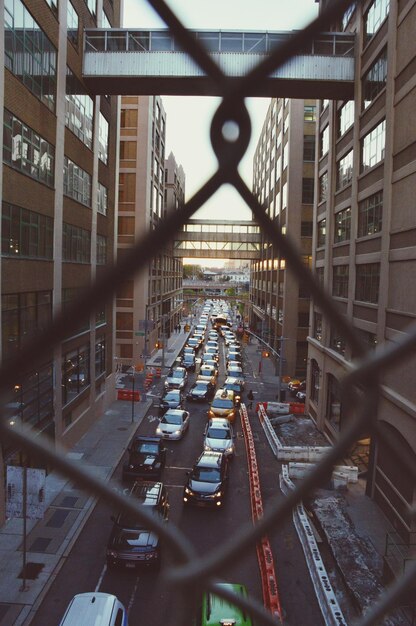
[[307, 190], [344, 171], [367, 282], [375, 80], [101, 250], [333, 408], [303, 319], [25, 233], [317, 326], [370, 215], [76, 244], [128, 150], [345, 117], [319, 273], [324, 141], [103, 139], [54, 5], [69, 295], [340, 281], [337, 343], [72, 24], [75, 373], [373, 147], [342, 225], [306, 229], [323, 187], [77, 182], [315, 376], [28, 52], [375, 16], [128, 118], [79, 110], [324, 104], [102, 199], [26, 151], [321, 233], [99, 356], [24, 315], [309, 148], [309, 113], [347, 17]]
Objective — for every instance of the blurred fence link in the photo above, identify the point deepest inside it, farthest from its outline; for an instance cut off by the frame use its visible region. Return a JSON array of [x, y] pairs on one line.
[[189, 571]]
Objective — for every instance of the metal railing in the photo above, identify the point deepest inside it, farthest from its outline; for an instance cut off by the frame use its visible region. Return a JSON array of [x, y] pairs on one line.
[[190, 572]]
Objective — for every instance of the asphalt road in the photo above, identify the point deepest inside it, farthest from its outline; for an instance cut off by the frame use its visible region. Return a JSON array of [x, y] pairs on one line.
[[148, 598]]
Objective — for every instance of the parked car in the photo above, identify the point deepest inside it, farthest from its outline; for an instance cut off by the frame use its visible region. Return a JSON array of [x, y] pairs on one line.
[[201, 390], [172, 399], [219, 436], [213, 352], [296, 385], [146, 460], [176, 379], [217, 611], [174, 424], [207, 482], [131, 544]]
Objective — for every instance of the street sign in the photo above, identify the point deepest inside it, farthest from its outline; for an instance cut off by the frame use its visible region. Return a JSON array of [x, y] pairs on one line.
[[140, 333]]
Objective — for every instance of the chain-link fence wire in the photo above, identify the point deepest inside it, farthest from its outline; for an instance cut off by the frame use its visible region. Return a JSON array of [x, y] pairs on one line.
[[191, 573]]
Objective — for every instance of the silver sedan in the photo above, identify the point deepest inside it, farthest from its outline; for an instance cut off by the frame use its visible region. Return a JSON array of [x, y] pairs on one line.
[[173, 424]]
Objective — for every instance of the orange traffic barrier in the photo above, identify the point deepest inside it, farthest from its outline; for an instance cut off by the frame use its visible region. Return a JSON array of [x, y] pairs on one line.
[[296, 407]]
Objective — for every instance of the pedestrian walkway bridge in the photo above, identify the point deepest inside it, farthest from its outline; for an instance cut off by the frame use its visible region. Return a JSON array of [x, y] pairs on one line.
[[150, 62], [222, 239]]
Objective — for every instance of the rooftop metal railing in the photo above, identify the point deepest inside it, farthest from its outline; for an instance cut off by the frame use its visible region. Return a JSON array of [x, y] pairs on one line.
[[190, 571]]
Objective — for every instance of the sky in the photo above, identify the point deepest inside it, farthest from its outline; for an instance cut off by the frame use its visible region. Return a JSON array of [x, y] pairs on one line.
[[188, 118]]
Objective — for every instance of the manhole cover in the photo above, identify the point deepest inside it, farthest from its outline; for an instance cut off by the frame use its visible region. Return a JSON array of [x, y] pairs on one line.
[[31, 571]]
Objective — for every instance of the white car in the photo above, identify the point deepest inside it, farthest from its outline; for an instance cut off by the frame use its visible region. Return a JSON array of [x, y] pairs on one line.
[[219, 436], [173, 424], [235, 370], [176, 379]]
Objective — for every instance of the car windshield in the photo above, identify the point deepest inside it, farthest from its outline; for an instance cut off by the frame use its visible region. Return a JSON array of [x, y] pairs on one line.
[[219, 433], [147, 448], [178, 374], [207, 474], [172, 395], [206, 371], [131, 538], [200, 387], [171, 418], [220, 403], [127, 520], [235, 388]]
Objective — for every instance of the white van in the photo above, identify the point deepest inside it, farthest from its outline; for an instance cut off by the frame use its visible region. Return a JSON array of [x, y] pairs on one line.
[[100, 609]]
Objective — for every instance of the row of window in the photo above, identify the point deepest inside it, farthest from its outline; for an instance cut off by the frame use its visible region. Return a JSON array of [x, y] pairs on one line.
[[29, 234], [370, 217], [28, 152], [76, 369], [367, 281]]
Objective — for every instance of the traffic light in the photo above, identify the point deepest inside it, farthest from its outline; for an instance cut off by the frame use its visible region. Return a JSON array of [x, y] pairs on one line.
[[265, 354]]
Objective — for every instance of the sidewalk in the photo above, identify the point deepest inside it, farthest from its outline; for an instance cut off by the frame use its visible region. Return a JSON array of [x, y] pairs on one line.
[[49, 541], [355, 514]]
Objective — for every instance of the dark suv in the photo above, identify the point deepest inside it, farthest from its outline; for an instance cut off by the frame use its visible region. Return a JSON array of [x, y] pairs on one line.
[[207, 481], [131, 544], [146, 458]]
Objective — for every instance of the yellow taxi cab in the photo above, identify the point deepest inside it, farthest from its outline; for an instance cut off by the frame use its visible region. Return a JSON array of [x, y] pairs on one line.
[[223, 405]]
